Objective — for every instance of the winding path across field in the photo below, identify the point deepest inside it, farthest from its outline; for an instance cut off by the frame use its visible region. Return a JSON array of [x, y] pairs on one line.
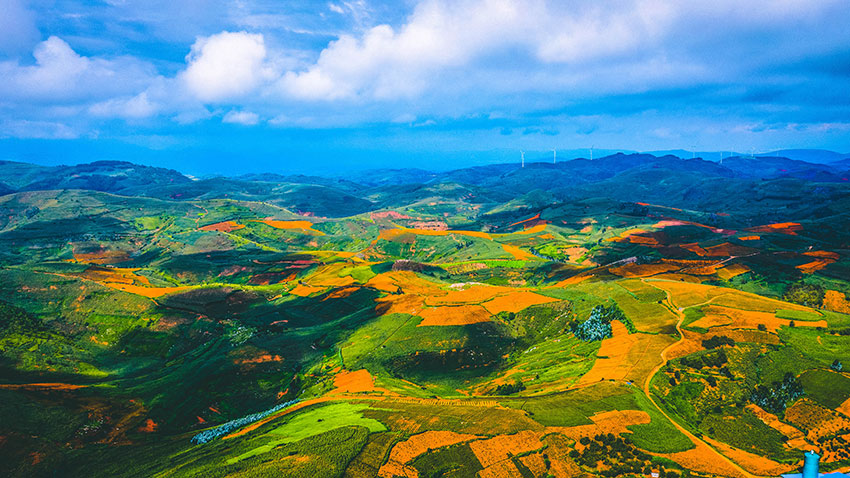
[[698, 442]]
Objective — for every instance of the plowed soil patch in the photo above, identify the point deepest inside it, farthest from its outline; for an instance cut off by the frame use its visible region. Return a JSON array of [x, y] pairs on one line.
[[453, 315], [114, 275], [225, 226], [642, 270], [515, 302], [499, 448], [532, 218], [473, 294], [303, 290], [390, 234], [614, 421], [623, 237], [836, 302], [303, 225], [40, 386], [755, 464], [845, 408], [791, 228], [400, 304], [518, 253], [150, 292], [822, 259], [702, 459], [686, 294], [407, 281], [731, 271], [773, 421], [405, 452], [341, 293], [727, 249], [258, 359], [353, 382], [750, 238], [716, 316], [627, 356], [102, 256], [820, 421], [540, 227]]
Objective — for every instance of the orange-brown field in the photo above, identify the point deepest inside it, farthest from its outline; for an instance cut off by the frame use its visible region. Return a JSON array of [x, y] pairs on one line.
[[725, 317], [40, 386], [225, 226], [822, 259], [703, 459], [518, 253], [686, 294], [390, 234], [614, 421], [817, 420], [626, 356], [791, 228], [643, 270], [515, 302], [836, 302], [102, 256], [796, 438], [405, 452], [732, 270], [306, 226], [353, 382], [128, 281], [453, 315], [303, 290], [755, 464]]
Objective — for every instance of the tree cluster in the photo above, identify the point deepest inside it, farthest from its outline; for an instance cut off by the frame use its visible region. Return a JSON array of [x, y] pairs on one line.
[[598, 324], [810, 295], [717, 341], [617, 456], [776, 397], [509, 388], [17, 320], [713, 359]]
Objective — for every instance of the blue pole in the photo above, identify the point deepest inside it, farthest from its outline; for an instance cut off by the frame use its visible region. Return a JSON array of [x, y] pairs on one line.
[[810, 466]]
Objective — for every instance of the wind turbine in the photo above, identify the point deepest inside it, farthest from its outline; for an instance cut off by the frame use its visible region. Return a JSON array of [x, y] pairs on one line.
[[554, 156], [522, 153], [591, 153]]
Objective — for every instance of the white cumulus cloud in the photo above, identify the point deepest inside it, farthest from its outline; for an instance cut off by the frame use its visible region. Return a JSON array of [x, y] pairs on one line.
[[226, 65], [61, 74], [241, 117]]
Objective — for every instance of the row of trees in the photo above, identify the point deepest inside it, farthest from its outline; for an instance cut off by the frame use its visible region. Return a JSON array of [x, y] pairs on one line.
[[207, 436]]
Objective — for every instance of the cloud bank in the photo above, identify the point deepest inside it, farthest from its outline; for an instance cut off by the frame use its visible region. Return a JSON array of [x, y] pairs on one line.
[[497, 65]]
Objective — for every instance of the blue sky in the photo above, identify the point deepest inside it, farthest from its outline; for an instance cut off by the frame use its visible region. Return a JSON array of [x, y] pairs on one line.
[[309, 86]]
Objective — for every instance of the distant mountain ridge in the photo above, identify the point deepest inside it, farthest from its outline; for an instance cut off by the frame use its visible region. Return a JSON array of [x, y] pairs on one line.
[[118, 177], [691, 182]]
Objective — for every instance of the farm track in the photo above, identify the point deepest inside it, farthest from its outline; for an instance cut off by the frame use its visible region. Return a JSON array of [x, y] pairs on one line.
[[696, 440]]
